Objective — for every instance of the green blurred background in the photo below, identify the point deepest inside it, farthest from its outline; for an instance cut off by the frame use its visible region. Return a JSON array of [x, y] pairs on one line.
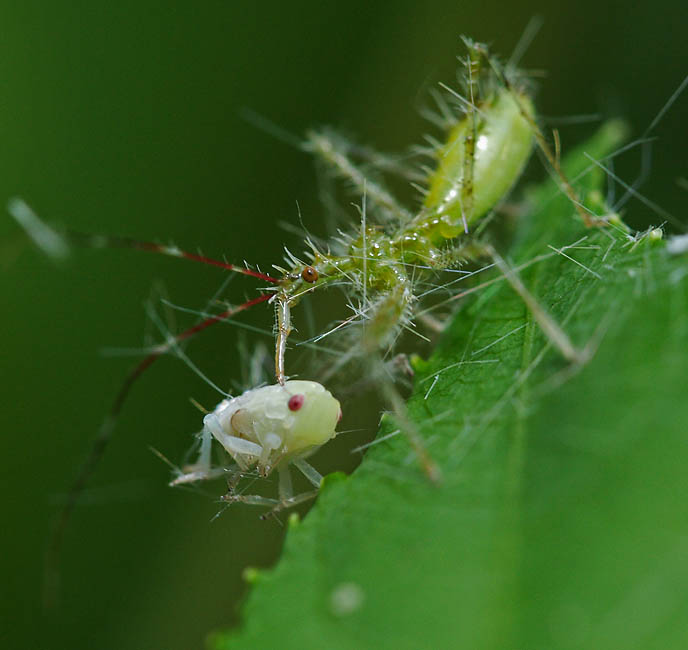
[[124, 118]]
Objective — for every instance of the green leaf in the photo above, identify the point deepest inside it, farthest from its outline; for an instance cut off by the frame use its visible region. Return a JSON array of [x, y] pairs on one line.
[[561, 520]]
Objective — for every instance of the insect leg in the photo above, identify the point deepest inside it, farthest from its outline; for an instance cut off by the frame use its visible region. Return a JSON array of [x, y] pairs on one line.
[[335, 156], [312, 474], [409, 429], [389, 315], [285, 487], [201, 475], [473, 74], [283, 330], [275, 505], [243, 451], [286, 497], [249, 499], [200, 471], [549, 326], [290, 503]]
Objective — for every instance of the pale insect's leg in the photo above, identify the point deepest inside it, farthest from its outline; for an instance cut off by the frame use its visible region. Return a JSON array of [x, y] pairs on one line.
[[286, 497], [198, 475], [243, 451], [202, 469], [249, 499], [312, 474], [290, 503], [285, 488], [285, 501]]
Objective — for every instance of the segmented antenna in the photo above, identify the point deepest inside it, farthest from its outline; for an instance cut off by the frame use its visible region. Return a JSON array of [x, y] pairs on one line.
[[56, 244], [101, 241]]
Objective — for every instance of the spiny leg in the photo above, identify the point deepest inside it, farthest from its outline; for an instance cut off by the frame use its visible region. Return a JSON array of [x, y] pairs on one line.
[[408, 428], [473, 72], [336, 157], [554, 333], [378, 160]]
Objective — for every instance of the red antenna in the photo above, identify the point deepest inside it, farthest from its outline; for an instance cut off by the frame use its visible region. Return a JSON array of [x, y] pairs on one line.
[[56, 244], [108, 241]]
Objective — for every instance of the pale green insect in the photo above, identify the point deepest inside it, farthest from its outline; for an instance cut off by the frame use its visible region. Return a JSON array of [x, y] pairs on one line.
[[265, 428], [490, 131]]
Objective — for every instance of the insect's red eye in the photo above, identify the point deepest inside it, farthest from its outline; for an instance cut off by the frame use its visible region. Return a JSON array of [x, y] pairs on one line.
[[309, 274], [295, 402]]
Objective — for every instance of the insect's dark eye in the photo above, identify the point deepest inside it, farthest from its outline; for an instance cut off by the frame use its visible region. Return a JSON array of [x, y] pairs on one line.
[[309, 274]]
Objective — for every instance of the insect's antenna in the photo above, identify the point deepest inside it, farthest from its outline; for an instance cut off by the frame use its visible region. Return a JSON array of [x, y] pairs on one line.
[[39, 231], [105, 434], [109, 241]]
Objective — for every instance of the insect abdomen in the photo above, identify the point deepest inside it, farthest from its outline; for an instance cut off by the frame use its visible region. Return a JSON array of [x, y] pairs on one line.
[[503, 142]]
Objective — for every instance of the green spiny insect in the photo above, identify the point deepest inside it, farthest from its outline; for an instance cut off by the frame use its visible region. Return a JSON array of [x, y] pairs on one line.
[[490, 131]]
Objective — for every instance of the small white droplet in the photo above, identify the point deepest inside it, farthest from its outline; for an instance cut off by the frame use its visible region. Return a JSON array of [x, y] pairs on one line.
[[346, 598]]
